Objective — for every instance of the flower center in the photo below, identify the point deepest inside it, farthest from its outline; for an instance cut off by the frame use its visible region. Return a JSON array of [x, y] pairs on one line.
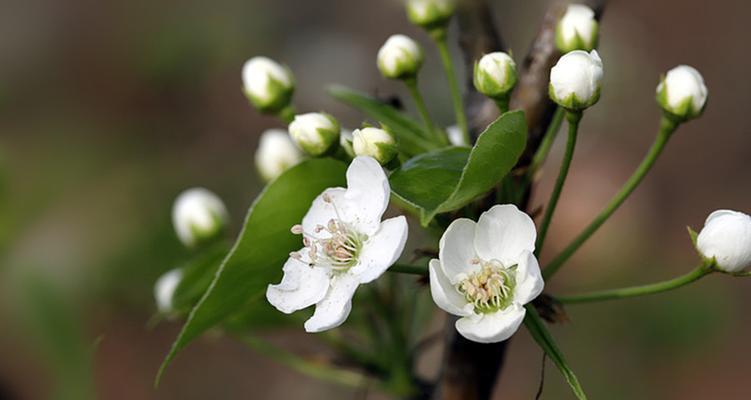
[[491, 288], [338, 250]]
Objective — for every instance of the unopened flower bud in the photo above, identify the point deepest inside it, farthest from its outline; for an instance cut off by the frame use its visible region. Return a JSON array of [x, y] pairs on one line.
[[374, 142], [577, 29], [682, 93], [198, 216], [576, 79], [495, 75], [430, 14], [276, 153], [164, 290], [345, 140], [726, 237], [314, 133], [400, 57], [268, 85]]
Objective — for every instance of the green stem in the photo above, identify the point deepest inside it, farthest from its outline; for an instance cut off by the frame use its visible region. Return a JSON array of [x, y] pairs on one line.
[[456, 96], [635, 291], [502, 104], [667, 127], [287, 114], [420, 104], [547, 142], [573, 118], [409, 269]]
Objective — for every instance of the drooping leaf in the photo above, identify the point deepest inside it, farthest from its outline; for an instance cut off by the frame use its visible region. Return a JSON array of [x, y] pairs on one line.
[[263, 245], [409, 132], [448, 179], [542, 336]]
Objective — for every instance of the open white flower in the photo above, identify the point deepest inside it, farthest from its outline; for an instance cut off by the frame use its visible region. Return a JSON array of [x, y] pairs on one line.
[[267, 84], [682, 92], [346, 245], [276, 153], [575, 80], [726, 237], [577, 29], [487, 272], [164, 290], [198, 215]]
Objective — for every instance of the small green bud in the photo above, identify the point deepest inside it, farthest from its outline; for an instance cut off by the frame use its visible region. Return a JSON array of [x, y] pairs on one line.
[[376, 143], [430, 14], [495, 75], [400, 58], [198, 216], [314, 133], [268, 85]]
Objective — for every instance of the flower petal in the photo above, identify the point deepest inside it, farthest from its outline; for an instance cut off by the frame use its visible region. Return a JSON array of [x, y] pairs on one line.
[[367, 194], [301, 287], [529, 283], [503, 233], [457, 249], [491, 328], [322, 211], [444, 293], [335, 306], [381, 250]]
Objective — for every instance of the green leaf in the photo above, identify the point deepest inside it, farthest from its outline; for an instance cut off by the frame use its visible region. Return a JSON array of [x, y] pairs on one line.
[[197, 275], [409, 132], [448, 179], [542, 336], [263, 245]]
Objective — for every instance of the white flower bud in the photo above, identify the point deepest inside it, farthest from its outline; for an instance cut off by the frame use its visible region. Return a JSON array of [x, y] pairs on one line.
[[374, 142], [314, 133], [576, 79], [430, 14], [495, 75], [276, 153], [268, 85], [345, 140], [682, 92], [399, 58], [198, 216], [164, 290], [726, 237], [577, 29]]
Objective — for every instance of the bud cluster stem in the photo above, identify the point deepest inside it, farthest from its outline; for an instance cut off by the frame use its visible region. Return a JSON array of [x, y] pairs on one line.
[[423, 111], [667, 127], [456, 96]]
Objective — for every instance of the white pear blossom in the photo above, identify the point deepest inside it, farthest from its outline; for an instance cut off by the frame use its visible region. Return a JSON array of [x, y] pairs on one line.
[[345, 245], [682, 92], [374, 142], [400, 57], [268, 85], [430, 14], [577, 29], [576, 79], [495, 74], [726, 237], [487, 272], [164, 290], [198, 215], [314, 133], [276, 153]]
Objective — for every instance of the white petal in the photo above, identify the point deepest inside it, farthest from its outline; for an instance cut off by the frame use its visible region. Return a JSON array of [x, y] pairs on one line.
[[321, 212], [301, 287], [335, 307], [491, 328], [726, 236], [444, 293], [504, 232], [457, 249], [382, 249], [165, 287], [367, 194], [529, 283]]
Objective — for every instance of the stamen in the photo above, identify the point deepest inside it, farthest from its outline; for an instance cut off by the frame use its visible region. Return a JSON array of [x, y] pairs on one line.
[[491, 288]]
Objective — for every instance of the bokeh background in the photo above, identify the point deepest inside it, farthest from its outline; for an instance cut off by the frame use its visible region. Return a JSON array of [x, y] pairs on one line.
[[109, 109]]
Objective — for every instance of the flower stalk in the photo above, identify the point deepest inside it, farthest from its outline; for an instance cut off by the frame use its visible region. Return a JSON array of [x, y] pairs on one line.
[[414, 91], [439, 36], [667, 127]]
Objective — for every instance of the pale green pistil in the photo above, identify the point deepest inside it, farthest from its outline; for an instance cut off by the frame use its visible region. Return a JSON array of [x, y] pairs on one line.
[[491, 288]]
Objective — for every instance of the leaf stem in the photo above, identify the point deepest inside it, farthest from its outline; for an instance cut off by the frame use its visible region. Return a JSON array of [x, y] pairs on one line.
[[697, 273], [667, 127], [456, 96], [409, 269], [423, 111], [547, 142], [573, 118]]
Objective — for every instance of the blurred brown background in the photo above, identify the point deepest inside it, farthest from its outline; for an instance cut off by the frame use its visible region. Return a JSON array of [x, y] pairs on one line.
[[109, 109]]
